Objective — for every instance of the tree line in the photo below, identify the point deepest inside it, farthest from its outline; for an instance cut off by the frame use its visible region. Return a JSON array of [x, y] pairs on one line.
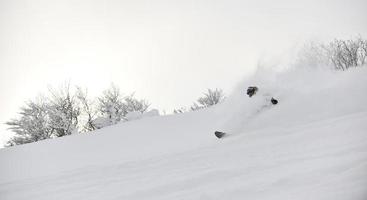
[[66, 111]]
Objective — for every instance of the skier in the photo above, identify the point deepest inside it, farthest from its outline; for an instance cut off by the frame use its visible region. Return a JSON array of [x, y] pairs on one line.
[[251, 91]]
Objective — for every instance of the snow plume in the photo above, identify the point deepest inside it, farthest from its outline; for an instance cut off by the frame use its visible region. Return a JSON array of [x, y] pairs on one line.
[[293, 79]]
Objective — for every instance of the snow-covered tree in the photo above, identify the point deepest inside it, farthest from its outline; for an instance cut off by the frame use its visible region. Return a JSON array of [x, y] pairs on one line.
[[89, 112], [32, 125], [210, 98], [132, 104], [111, 107], [63, 111], [114, 107], [52, 116]]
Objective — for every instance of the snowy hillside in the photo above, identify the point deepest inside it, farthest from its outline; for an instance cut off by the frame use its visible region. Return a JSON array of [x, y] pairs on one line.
[[312, 145]]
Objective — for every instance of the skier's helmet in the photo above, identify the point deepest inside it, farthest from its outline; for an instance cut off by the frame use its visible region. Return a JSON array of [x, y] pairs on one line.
[[251, 90]]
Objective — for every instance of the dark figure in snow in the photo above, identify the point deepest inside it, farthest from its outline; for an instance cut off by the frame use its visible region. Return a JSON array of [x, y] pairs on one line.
[[251, 91], [219, 134], [274, 101]]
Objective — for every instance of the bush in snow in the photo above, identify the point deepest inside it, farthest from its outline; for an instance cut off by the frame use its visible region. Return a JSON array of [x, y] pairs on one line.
[[340, 54], [210, 98], [111, 107], [347, 53], [114, 107], [131, 104]]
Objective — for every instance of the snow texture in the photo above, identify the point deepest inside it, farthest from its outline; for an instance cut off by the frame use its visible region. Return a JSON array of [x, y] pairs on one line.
[[311, 145]]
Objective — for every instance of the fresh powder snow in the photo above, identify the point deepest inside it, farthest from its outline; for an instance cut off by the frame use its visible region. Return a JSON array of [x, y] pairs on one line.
[[311, 145]]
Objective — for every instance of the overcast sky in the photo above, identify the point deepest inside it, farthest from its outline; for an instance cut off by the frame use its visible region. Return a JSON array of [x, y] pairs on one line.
[[167, 51]]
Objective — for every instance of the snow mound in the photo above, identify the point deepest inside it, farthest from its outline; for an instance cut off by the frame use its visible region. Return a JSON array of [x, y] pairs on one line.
[[311, 145], [138, 115]]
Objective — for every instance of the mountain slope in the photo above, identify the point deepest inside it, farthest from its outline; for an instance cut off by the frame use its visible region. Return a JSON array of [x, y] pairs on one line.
[[312, 145]]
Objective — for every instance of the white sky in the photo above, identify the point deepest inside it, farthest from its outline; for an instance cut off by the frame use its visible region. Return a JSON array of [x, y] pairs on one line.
[[167, 51]]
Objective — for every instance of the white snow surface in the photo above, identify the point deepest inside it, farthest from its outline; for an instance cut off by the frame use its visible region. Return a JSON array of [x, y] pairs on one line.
[[312, 145], [138, 115]]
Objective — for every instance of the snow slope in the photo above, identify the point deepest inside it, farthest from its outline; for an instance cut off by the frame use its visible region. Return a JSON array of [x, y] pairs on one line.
[[312, 145]]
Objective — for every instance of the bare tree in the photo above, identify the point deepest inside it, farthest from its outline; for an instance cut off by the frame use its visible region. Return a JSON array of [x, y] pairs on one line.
[[344, 54], [63, 111], [132, 104], [88, 109], [340, 54], [210, 98], [362, 51]]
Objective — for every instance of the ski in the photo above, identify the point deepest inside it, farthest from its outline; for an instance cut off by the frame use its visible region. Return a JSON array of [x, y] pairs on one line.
[[219, 134]]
